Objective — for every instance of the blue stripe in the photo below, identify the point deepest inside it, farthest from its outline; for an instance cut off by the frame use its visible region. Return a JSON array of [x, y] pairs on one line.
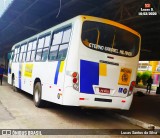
[[19, 76], [89, 76], [57, 73], [9, 70]]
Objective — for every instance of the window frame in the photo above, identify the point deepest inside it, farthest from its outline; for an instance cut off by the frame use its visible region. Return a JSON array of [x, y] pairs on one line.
[[114, 40], [43, 36], [32, 40], [55, 31], [16, 47], [23, 44]]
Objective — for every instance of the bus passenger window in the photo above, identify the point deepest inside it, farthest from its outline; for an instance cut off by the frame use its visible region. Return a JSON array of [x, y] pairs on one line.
[[41, 43], [46, 48], [24, 53], [32, 55], [17, 56], [43, 48], [53, 52], [45, 54], [47, 41], [33, 50], [39, 48], [14, 59], [28, 56], [57, 38], [62, 51], [29, 51], [58, 50], [21, 54], [66, 35], [38, 55]]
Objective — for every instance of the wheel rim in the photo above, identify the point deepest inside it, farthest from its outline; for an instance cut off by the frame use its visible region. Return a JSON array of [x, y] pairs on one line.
[[36, 97]]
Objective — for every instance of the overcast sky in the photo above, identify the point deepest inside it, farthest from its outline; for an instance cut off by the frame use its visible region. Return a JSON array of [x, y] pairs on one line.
[[3, 5]]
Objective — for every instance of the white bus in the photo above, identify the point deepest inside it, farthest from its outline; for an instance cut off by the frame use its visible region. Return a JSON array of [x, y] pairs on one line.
[[85, 61]]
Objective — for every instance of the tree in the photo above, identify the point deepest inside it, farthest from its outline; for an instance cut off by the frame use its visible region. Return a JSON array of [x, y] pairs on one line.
[[145, 76], [139, 77]]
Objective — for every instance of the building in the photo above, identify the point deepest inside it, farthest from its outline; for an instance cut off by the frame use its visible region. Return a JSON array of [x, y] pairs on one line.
[[154, 67]]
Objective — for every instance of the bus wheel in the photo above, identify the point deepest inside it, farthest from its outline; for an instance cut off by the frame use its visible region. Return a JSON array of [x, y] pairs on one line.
[[13, 85], [37, 92]]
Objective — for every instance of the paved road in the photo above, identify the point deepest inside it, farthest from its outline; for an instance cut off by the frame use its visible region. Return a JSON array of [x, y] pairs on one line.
[[145, 107], [20, 112], [17, 111]]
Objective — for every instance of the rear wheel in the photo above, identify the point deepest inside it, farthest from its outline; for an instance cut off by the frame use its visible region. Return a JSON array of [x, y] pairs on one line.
[[37, 93]]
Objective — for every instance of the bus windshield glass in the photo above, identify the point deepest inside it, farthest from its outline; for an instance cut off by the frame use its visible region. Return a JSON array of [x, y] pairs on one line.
[[109, 39]]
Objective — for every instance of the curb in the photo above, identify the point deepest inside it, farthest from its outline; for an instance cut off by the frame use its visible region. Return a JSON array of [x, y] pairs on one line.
[[137, 122]]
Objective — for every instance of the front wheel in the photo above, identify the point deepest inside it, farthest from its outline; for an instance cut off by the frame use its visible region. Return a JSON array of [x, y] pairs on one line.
[[37, 93]]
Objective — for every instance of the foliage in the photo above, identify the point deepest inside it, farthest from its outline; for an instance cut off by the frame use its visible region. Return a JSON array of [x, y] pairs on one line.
[[138, 78], [145, 76]]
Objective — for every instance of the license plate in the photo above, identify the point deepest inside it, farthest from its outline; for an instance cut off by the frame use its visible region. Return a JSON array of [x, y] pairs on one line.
[[104, 90]]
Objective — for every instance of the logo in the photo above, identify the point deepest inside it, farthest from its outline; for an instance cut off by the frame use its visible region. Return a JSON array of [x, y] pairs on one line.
[[147, 5], [125, 77], [125, 90], [120, 90], [6, 132], [147, 10], [20, 132]]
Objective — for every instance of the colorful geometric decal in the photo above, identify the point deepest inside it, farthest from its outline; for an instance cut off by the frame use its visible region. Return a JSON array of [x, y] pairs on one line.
[[9, 69], [102, 69], [20, 76], [57, 73], [89, 76], [28, 70], [120, 90], [60, 66]]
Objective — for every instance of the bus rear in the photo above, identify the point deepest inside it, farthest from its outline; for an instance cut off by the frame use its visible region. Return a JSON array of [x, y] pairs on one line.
[[108, 56]]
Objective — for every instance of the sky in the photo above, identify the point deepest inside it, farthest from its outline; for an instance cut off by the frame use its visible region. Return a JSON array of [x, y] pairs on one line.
[[4, 5]]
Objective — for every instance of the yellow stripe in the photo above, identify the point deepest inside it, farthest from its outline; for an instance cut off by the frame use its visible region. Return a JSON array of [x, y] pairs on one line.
[[61, 66], [112, 23], [102, 69]]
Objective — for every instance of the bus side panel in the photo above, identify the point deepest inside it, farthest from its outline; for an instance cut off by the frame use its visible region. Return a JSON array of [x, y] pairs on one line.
[[15, 71], [70, 95], [24, 81], [10, 72], [52, 79]]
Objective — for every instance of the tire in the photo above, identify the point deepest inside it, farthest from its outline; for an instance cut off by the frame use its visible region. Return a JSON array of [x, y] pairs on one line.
[[37, 93]]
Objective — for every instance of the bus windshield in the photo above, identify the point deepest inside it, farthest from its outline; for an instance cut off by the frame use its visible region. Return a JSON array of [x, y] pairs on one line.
[[109, 39]]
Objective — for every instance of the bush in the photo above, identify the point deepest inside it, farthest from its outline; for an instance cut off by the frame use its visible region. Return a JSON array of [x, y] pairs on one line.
[[139, 77], [145, 76]]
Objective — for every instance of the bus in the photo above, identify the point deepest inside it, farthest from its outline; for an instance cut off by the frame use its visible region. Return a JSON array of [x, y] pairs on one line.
[[86, 61]]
